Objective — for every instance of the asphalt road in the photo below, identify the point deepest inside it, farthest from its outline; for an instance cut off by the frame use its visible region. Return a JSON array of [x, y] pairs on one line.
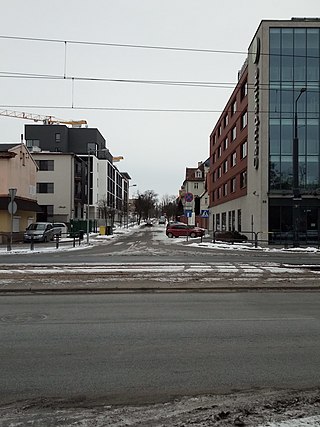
[[151, 244], [135, 348]]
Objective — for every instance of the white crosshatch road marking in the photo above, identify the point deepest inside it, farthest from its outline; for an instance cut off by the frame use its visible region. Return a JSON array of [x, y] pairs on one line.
[[248, 270]]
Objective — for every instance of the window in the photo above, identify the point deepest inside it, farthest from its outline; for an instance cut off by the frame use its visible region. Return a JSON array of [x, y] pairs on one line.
[[58, 137], [45, 187], [233, 133], [233, 185], [225, 189], [233, 107], [243, 150], [219, 151], [233, 158], [219, 193], [219, 131], [45, 165], [244, 90], [219, 172], [239, 220], [225, 144], [244, 120], [198, 174], [33, 143], [225, 166], [243, 179], [226, 120], [195, 185]]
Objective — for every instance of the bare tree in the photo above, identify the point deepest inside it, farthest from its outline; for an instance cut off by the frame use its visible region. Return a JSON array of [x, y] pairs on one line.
[[145, 204]]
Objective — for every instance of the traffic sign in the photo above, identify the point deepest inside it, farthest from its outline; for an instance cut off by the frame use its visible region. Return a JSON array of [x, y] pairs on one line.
[[188, 197], [188, 213], [12, 207], [205, 213]]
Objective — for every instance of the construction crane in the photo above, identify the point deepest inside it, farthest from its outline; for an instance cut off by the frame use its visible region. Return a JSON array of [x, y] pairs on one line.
[[46, 120], [117, 158]]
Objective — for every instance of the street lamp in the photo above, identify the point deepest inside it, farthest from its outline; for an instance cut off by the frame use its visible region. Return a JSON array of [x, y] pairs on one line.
[[295, 173]]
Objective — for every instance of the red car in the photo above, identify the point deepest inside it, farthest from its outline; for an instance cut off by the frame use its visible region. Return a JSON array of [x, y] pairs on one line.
[[180, 229]]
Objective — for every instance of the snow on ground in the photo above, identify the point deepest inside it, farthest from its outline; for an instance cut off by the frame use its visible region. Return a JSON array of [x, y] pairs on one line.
[[159, 235]]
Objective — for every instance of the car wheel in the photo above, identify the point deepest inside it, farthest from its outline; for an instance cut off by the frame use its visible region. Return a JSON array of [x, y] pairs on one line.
[[192, 235], [170, 235]]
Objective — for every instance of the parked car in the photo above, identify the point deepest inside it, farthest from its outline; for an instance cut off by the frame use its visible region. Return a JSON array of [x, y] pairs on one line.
[[40, 232], [148, 223], [62, 227], [230, 236], [162, 219], [180, 229]]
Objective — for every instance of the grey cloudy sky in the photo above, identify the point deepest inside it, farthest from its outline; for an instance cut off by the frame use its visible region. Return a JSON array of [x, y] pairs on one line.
[[157, 146]]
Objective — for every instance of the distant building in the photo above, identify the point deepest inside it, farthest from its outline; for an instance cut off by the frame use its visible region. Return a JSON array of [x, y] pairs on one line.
[[194, 197]]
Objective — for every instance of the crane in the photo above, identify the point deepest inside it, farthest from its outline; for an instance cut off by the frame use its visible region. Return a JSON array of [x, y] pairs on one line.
[[46, 120]]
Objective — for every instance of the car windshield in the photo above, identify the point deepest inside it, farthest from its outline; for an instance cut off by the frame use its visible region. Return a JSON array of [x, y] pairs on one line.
[[36, 227]]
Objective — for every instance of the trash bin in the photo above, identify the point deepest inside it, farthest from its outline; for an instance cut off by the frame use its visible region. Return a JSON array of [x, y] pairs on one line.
[[109, 230], [102, 230]]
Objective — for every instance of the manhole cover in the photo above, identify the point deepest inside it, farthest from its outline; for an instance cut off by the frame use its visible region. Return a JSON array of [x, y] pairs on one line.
[[23, 318]]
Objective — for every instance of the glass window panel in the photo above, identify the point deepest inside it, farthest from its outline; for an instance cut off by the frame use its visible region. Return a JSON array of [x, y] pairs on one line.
[[275, 67], [302, 171], [286, 101], [274, 99], [299, 41], [286, 136], [286, 172], [274, 134], [275, 37], [274, 172], [302, 136], [299, 69], [313, 42], [313, 69], [312, 177], [313, 136], [312, 96], [287, 41]]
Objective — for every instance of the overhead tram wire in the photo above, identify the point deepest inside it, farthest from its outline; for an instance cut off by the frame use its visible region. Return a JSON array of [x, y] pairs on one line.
[[204, 84], [141, 46], [130, 109]]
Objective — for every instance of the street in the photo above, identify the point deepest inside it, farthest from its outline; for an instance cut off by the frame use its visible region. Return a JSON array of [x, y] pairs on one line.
[[143, 319], [142, 348]]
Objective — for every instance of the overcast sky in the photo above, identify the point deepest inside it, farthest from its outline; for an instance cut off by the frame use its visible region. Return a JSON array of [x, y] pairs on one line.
[[157, 146]]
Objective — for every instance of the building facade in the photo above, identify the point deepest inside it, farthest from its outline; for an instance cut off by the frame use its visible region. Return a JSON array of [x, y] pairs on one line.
[[279, 193], [194, 196], [61, 186], [17, 171], [105, 188]]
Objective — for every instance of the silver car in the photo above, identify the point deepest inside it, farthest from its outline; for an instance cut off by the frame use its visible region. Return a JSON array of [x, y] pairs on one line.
[[40, 232]]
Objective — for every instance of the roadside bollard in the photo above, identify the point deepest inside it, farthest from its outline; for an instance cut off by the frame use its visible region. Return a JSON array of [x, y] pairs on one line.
[[57, 241], [31, 244], [8, 244]]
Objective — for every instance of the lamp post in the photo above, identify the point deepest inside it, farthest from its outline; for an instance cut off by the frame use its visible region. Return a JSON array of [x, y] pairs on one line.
[[295, 174]]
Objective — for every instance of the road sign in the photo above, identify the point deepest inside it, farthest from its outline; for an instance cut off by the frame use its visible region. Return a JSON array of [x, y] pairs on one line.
[[188, 197], [205, 213], [12, 207], [12, 193], [188, 214]]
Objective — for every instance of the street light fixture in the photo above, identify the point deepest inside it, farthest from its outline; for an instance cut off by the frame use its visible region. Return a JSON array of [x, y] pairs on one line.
[[295, 173]]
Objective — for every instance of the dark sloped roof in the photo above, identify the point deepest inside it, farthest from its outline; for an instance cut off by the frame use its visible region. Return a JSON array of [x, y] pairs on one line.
[[6, 146]]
